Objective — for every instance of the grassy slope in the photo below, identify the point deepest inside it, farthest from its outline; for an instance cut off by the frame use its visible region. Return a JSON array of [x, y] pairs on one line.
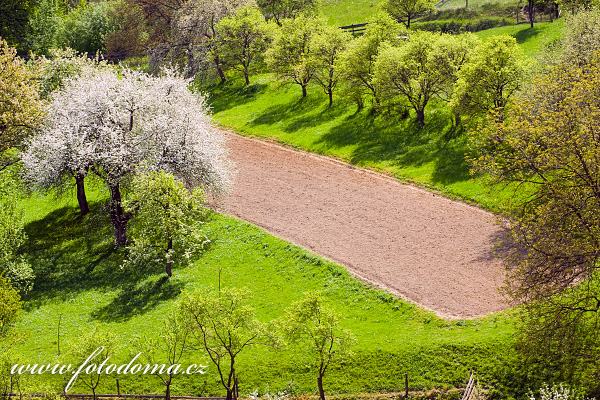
[[79, 278], [428, 156], [347, 12]]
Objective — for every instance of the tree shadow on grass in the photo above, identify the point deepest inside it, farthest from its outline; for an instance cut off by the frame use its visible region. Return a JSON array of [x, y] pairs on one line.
[[525, 34], [138, 299], [288, 111], [231, 94], [398, 140], [71, 254]]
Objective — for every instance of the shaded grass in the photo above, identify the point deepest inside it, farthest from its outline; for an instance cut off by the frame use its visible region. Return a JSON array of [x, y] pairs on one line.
[[88, 287], [532, 40]]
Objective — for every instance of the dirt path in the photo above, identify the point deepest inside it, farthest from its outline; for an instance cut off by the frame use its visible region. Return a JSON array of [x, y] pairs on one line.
[[422, 246]]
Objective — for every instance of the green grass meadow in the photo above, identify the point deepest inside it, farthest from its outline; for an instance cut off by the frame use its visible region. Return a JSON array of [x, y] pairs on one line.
[[80, 280]]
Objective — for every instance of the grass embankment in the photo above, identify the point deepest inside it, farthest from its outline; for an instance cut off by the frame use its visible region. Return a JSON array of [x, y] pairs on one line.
[[432, 156], [79, 278]]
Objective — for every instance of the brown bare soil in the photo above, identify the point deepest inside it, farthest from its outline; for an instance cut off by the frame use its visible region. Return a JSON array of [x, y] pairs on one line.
[[417, 244]]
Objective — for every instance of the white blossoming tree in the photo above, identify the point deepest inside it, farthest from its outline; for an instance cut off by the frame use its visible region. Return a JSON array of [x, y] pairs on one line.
[[118, 125]]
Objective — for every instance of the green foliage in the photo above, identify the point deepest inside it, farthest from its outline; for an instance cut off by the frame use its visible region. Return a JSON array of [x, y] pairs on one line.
[[422, 68], [290, 55], [45, 27], [172, 344], [243, 37], [580, 40], [279, 10], [85, 28], [97, 340], [13, 266], [20, 106], [327, 46], [63, 65], [457, 27], [548, 144], [167, 223], [495, 72], [14, 22], [224, 325], [356, 63], [405, 11], [311, 325], [10, 306]]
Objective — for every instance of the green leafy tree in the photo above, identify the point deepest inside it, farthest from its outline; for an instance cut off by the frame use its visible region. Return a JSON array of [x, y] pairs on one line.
[[224, 325], [405, 11], [327, 46], [168, 220], [14, 22], [290, 55], [314, 327], [279, 10], [45, 27], [548, 147], [10, 306], [418, 70], [21, 109], [495, 72], [85, 28], [169, 348], [13, 266], [243, 37], [356, 63], [95, 340]]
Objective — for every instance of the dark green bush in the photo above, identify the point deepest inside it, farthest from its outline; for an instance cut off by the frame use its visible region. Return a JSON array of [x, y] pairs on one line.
[[456, 27]]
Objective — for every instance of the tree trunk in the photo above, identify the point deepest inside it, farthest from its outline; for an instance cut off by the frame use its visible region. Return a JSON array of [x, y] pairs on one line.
[[531, 12], [303, 90], [117, 216], [168, 268], [168, 392], [246, 76], [421, 117], [81, 198], [321, 391], [330, 97], [457, 119], [220, 69]]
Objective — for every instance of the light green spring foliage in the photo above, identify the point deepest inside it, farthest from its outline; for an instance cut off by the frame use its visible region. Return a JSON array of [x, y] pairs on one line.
[[97, 338], [290, 55], [580, 39], [165, 212], [315, 328], [405, 11], [495, 72], [10, 306], [420, 69], [224, 325], [85, 28], [14, 267], [243, 37], [549, 144], [279, 10], [356, 63], [45, 27], [169, 347], [327, 46], [21, 109], [63, 65]]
